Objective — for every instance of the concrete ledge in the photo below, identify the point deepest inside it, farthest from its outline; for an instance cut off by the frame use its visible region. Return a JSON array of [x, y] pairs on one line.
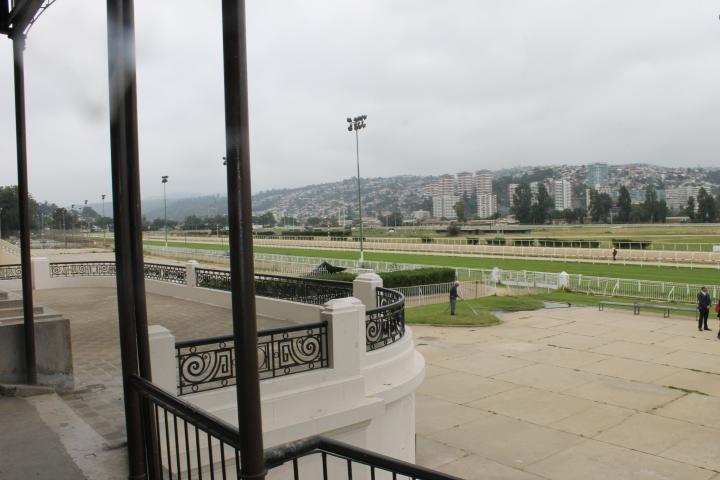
[[21, 390]]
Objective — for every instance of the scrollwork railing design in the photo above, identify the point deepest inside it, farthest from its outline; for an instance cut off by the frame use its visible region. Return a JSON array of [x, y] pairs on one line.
[[82, 269], [166, 273], [10, 272], [385, 324], [301, 290], [208, 364]]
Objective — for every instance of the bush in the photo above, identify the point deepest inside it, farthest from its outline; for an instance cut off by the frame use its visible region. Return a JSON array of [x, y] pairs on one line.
[[420, 276], [426, 240], [268, 233], [553, 242], [338, 276], [526, 242], [495, 241], [473, 241], [623, 243]]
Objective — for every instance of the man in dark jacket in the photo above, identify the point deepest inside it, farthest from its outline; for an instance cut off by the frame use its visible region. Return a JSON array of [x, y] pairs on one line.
[[454, 294], [704, 302]]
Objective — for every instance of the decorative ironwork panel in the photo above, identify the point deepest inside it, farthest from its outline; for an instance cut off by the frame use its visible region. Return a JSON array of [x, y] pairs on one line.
[[208, 364], [166, 273], [385, 324], [302, 290], [10, 272], [216, 279], [82, 269]]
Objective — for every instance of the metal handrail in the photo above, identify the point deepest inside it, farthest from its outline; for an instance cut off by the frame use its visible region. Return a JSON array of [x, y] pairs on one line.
[[261, 333]]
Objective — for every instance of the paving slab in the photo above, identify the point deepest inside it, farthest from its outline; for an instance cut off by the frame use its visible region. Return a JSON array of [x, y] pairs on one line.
[[547, 377], [462, 387], [593, 460], [432, 454], [630, 369], [701, 448], [707, 345], [694, 408], [691, 380], [633, 350], [648, 433], [484, 363], [693, 360], [625, 393], [563, 357], [532, 405], [594, 420], [475, 467], [434, 414], [574, 341], [506, 440]]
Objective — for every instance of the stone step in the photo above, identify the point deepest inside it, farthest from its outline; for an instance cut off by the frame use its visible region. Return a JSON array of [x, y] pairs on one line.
[[10, 303], [17, 312], [3, 295]]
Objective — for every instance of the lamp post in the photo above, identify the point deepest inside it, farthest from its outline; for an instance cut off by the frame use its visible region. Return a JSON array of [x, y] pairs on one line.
[[164, 183], [355, 124], [1, 223]]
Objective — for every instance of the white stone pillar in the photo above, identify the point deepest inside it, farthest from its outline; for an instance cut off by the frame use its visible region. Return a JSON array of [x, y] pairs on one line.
[[364, 287], [40, 269], [162, 358], [495, 275], [564, 280], [190, 276], [346, 334]]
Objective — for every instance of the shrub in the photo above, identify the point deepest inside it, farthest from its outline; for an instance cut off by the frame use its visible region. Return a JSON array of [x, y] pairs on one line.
[[473, 241], [427, 239], [267, 233], [554, 242], [338, 276], [495, 241], [420, 276], [623, 243], [525, 242]]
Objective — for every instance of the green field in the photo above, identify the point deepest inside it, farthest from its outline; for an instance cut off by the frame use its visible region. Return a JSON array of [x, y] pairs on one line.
[[479, 312], [663, 273]]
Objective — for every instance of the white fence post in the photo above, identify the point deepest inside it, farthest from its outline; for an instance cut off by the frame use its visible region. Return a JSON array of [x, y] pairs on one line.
[[347, 338], [364, 287], [162, 358], [190, 276], [40, 269]]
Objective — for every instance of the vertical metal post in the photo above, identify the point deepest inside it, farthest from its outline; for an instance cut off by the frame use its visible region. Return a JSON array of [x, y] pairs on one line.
[[357, 156], [240, 240], [120, 143], [23, 200]]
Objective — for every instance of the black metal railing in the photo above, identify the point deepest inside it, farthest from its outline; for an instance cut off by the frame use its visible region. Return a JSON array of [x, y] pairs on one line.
[[192, 443], [10, 272], [385, 324], [166, 273], [82, 269], [208, 364], [302, 290]]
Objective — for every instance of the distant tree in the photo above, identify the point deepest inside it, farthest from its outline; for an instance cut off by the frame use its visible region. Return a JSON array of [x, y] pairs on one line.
[[706, 208], [104, 223], [600, 205], [470, 205], [569, 215], [689, 209], [522, 203], [193, 222], [453, 229], [460, 210], [624, 205], [313, 222], [267, 219], [89, 212], [541, 209], [580, 213], [653, 209], [391, 220], [10, 210]]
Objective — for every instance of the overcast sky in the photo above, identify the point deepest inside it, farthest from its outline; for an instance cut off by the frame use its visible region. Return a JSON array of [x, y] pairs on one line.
[[446, 85]]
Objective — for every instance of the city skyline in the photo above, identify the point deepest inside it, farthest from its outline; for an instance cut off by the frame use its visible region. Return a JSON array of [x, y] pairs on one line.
[[573, 82]]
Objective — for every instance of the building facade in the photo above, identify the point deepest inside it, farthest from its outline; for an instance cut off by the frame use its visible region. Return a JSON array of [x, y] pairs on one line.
[[562, 194], [486, 205], [444, 206], [598, 175]]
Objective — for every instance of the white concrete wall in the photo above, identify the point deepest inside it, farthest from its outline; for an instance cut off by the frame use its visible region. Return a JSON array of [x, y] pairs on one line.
[[364, 398]]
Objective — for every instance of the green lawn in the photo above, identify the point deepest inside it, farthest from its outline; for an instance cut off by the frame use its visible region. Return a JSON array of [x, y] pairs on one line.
[[479, 312], [707, 276]]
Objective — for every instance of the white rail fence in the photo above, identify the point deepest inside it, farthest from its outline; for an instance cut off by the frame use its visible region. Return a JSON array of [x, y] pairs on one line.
[[514, 281]]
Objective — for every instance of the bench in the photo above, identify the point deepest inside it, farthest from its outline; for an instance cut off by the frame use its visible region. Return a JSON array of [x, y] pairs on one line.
[[666, 309]]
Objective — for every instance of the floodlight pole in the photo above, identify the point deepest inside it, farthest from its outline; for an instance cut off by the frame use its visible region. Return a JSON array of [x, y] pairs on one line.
[[356, 124], [18, 41], [164, 182]]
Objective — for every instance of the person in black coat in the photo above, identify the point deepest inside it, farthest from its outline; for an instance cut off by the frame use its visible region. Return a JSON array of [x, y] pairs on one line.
[[704, 302]]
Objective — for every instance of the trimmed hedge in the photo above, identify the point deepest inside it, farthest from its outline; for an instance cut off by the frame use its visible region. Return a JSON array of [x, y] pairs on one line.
[[402, 278], [526, 242], [554, 242], [495, 241], [427, 240], [473, 241], [420, 276], [623, 243]]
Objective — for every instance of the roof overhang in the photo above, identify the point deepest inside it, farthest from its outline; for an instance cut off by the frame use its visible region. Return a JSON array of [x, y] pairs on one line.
[[15, 18]]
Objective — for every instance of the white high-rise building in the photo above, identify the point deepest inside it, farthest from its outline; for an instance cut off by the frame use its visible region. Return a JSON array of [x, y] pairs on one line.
[[563, 194], [677, 198], [465, 187], [447, 185], [483, 182], [511, 192], [486, 205], [444, 206]]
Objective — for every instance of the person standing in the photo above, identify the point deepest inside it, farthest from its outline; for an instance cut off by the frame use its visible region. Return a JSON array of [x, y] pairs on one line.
[[454, 294], [704, 302], [614, 253]]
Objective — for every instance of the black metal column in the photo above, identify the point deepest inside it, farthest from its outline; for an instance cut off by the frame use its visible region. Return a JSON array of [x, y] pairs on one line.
[[120, 144], [23, 199], [240, 241]]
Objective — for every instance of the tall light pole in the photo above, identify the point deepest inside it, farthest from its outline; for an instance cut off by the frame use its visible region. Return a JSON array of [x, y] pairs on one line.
[[164, 183], [356, 124], [1, 223]]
